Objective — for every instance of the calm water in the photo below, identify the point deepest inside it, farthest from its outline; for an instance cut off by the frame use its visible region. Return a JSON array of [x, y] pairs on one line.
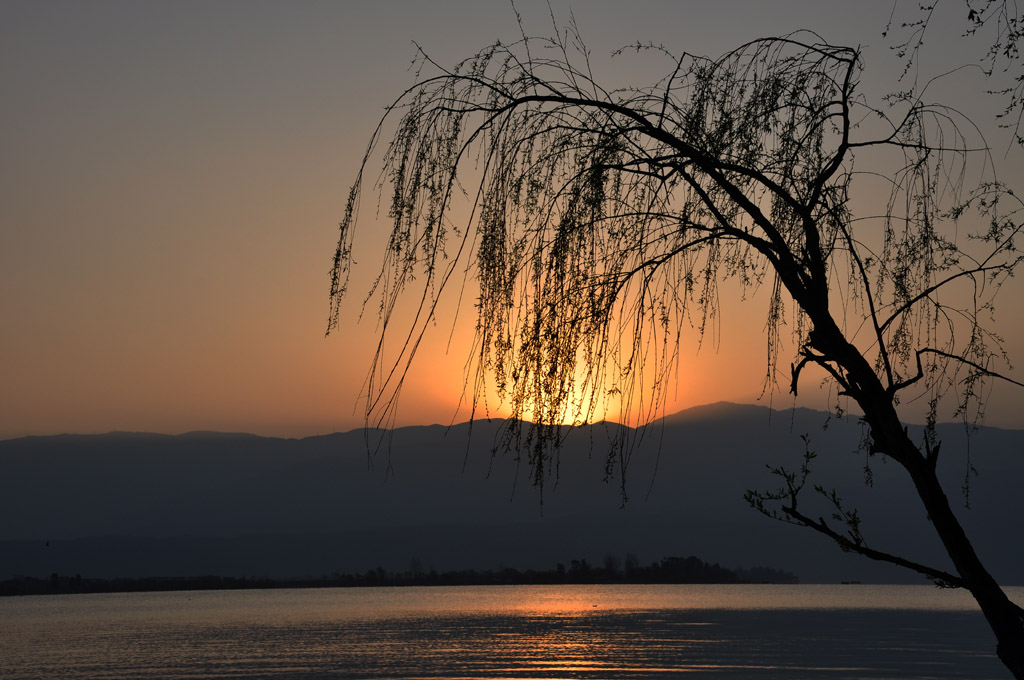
[[521, 632]]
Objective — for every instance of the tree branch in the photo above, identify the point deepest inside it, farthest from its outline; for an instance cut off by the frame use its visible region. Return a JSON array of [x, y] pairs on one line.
[[954, 357], [937, 575]]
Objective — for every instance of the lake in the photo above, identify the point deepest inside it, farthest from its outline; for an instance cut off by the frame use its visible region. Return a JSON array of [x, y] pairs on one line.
[[522, 632]]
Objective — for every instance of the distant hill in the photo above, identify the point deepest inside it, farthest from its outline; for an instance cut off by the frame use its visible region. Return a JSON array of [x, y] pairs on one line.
[[136, 504]]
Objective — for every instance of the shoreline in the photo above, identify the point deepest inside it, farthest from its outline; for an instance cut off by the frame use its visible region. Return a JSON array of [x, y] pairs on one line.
[[670, 570]]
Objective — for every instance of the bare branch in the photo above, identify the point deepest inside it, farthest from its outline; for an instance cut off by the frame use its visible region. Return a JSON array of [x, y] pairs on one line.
[[937, 575]]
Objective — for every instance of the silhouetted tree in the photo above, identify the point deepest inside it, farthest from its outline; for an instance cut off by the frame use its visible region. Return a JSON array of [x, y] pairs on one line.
[[630, 564], [600, 225], [611, 565]]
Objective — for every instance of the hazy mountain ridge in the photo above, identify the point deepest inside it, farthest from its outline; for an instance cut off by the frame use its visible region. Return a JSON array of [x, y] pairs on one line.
[[239, 504]]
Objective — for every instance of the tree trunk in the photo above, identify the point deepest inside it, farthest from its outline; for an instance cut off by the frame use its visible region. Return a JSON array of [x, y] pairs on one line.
[[1003, 616], [890, 437]]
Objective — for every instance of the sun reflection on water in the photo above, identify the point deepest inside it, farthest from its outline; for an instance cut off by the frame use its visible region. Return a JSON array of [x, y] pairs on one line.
[[525, 633]]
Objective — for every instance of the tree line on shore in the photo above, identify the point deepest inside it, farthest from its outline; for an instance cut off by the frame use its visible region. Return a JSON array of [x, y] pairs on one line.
[[677, 570]]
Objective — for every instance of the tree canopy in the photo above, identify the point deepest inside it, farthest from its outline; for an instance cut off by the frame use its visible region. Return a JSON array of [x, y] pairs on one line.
[[604, 222], [601, 225]]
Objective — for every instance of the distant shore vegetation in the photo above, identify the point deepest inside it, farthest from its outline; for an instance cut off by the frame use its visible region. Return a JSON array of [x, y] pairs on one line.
[[669, 570]]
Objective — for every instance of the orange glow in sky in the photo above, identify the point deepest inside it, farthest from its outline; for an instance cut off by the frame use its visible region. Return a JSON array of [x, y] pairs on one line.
[[173, 175]]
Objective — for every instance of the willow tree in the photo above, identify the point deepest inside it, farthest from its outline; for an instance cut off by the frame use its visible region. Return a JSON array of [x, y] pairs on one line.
[[601, 226]]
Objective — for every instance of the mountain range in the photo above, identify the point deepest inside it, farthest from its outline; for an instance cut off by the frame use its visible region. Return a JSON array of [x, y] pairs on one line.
[[143, 505]]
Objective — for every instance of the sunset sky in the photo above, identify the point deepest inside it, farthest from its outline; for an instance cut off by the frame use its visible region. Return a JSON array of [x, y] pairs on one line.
[[173, 174]]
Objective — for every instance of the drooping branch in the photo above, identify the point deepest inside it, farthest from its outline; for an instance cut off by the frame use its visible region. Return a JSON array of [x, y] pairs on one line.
[[560, 150], [1001, 24]]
